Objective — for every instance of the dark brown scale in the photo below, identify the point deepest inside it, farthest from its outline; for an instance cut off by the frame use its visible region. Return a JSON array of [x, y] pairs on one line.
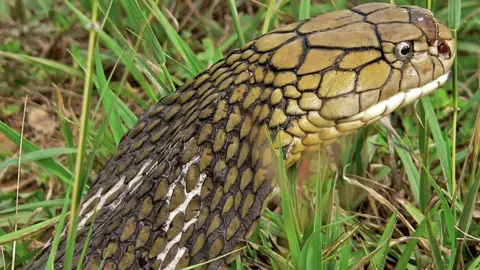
[[112, 197], [161, 217], [161, 190], [145, 188], [143, 236], [129, 176], [176, 226], [170, 255], [137, 129], [192, 208], [158, 246], [143, 155], [145, 208]]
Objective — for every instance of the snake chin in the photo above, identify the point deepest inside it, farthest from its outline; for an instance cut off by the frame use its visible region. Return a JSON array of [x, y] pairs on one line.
[[398, 100]]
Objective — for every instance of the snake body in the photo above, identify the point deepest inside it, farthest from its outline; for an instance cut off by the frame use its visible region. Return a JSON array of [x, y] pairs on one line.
[[189, 181]]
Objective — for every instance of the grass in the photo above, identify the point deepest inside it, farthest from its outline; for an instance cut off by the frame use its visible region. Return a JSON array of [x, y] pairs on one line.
[[401, 193], [80, 176]]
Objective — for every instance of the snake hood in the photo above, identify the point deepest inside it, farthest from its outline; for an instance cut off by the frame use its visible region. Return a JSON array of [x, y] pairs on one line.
[[190, 180]]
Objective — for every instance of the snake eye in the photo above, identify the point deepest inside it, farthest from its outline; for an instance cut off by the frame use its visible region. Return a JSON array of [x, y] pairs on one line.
[[403, 50], [443, 49]]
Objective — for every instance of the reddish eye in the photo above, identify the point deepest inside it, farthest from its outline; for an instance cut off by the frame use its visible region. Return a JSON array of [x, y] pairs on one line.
[[443, 48]]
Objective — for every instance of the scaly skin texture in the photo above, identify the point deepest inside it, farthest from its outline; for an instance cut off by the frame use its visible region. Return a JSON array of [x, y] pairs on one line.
[[188, 183]]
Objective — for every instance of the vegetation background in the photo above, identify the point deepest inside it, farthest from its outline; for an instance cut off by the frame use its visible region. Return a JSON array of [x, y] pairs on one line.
[[74, 75]]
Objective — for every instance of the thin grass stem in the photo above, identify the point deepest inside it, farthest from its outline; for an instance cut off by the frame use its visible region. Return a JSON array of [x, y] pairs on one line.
[[236, 21], [72, 227], [18, 178], [268, 16], [455, 113], [454, 17]]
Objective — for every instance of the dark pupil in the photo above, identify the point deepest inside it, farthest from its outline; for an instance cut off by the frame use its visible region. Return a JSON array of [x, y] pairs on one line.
[[443, 48], [405, 50]]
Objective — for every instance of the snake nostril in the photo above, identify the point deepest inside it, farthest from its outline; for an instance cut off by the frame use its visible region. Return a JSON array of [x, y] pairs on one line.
[[444, 49]]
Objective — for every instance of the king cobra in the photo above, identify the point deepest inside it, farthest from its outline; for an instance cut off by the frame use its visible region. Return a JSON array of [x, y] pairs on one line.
[[189, 181]]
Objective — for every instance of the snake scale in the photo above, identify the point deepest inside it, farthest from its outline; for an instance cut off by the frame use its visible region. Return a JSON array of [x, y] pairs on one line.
[[189, 181]]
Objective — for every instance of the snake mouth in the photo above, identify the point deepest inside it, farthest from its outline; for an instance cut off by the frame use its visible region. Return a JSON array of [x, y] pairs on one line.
[[398, 100]]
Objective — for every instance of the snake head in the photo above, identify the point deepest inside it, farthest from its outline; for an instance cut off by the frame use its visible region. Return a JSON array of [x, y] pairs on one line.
[[384, 57], [414, 43]]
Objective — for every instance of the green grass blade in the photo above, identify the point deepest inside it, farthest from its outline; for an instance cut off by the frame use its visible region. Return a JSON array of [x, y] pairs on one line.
[[154, 79], [33, 206], [470, 47], [96, 147], [434, 246], [454, 16], [80, 158], [278, 7], [412, 173], [345, 255], [304, 10], [295, 9], [380, 258], [474, 264], [268, 16], [335, 235], [447, 213], [58, 231], [37, 155], [125, 113], [469, 205], [317, 223], [289, 216], [112, 45], [28, 231], [466, 218], [440, 143], [292, 185], [466, 107], [410, 247], [424, 186], [26, 59], [274, 258], [238, 263], [311, 254], [448, 218], [134, 10], [107, 100], [250, 31], [48, 164], [454, 13], [236, 21], [145, 69], [188, 55], [68, 138], [413, 211]]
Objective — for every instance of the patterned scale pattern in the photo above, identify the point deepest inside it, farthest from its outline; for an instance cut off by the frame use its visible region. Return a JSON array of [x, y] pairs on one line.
[[188, 183]]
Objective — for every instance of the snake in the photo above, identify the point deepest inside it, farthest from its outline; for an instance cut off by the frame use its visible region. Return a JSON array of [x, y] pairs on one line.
[[189, 182]]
